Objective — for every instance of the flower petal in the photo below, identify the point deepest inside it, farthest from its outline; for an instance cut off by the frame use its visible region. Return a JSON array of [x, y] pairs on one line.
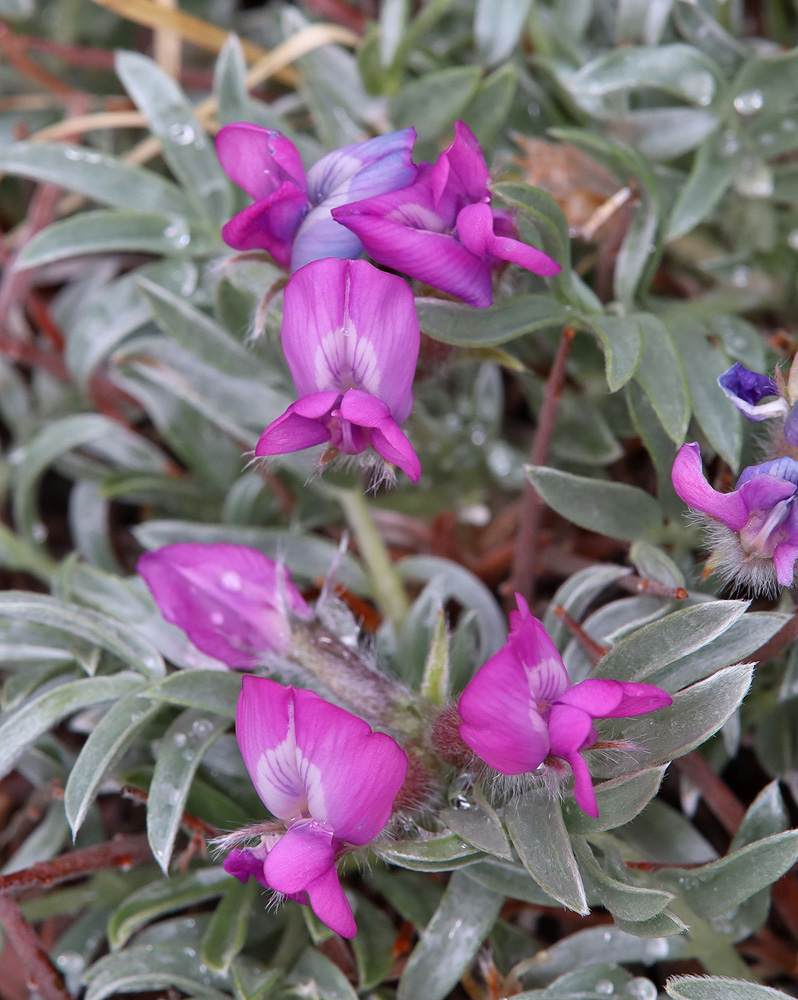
[[364, 169], [583, 786], [304, 861], [784, 557], [747, 389], [501, 723], [303, 425], [244, 865], [258, 159], [570, 730], [475, 229], [460, 175], [346, 323], [352, 775], [691, 485], [228, 599], [436, 258], [269, 224], [610, 699], [364, 410], [546, 673]]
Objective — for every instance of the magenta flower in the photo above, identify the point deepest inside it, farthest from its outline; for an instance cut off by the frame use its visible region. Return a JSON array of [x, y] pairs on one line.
[[351, 339], [290, 217], [520, 707], [233, 602], [754, 529], [328, 777], [442, 229]]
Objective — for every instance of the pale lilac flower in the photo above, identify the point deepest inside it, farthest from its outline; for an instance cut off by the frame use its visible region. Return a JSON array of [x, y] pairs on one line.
[[442, 229], [328, 777], [520, 707], [351, 338], [754, 529], [233, 602], [290, 217]]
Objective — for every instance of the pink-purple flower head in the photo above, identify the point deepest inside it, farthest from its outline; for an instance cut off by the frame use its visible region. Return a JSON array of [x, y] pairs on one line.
[[233, 602], [351, 339], [520, 708], [753, 529], [328, 777], [290, 217], [442, 229]]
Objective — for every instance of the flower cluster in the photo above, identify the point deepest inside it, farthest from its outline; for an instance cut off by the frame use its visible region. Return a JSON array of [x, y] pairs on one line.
[[753, 530], [520, 708]]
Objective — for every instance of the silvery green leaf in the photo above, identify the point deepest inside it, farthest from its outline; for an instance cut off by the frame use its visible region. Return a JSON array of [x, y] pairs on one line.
[[652, 563], [373, 944], [80, 430], [188, 151], [164, 896], [314, 975], [619, 801], [450, 940], [116, 230], [48, 838], [582, 984], [44, 711], [734, 645], [697, 713], [100, 630], [198, 333], [180, 754], [765, 816], [112, 735], [212, 691], [22, 685], [624, 900], [575, 596], [665, 133], [613, 509], [480, 826], [253, 980], [742, 340], [498, 27], [394, 15], [661, 833], [413, 895], [307, 556], [622, 342], [227, 931], [510, 880], [149, 968], [436, 852], [720, 885], [17, 9], [677, 69], [664, 925], [598, 946], [699, 27], [713, 170], [719, 988], [105, 179], [464, 326], [661, 374], [535, 823], [652, 647], [433, 102], [435, 682], [88, 525], [487, 111], [458, 583], [704, 361]]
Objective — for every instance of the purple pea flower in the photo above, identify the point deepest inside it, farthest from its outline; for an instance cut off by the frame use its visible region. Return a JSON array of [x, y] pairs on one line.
[[328, 777], [290, 217], [747, 390], [442, 229], [351, 339], [520, 708], [753, 529], [233, 602]]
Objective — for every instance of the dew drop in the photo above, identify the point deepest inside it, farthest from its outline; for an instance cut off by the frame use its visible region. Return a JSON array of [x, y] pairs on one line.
[[177, 233], [454, 929], [792, 239], [189, 952], [748, 103], [187, 755], [182, 133], [754, 179], [789, 125], [217, 617], [478, 436], [179, 739], [767, 138], [740, 276], [231, 580], [641, 988], [73, 154], [656, 948], [201, 728], [728, 143], [605, 987], [39, 532], [700, 86]]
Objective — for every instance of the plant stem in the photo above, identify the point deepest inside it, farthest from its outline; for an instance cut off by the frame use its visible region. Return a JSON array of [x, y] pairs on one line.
[[522, 577], [39, 970], [389, 592]]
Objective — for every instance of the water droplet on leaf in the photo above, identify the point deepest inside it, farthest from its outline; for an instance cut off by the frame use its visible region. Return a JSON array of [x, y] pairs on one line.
[[748, 103]]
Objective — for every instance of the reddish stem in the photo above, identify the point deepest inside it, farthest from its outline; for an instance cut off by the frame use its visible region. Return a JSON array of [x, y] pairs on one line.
[[640, 585], [40, 973], [593, 649], [522, 578]]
